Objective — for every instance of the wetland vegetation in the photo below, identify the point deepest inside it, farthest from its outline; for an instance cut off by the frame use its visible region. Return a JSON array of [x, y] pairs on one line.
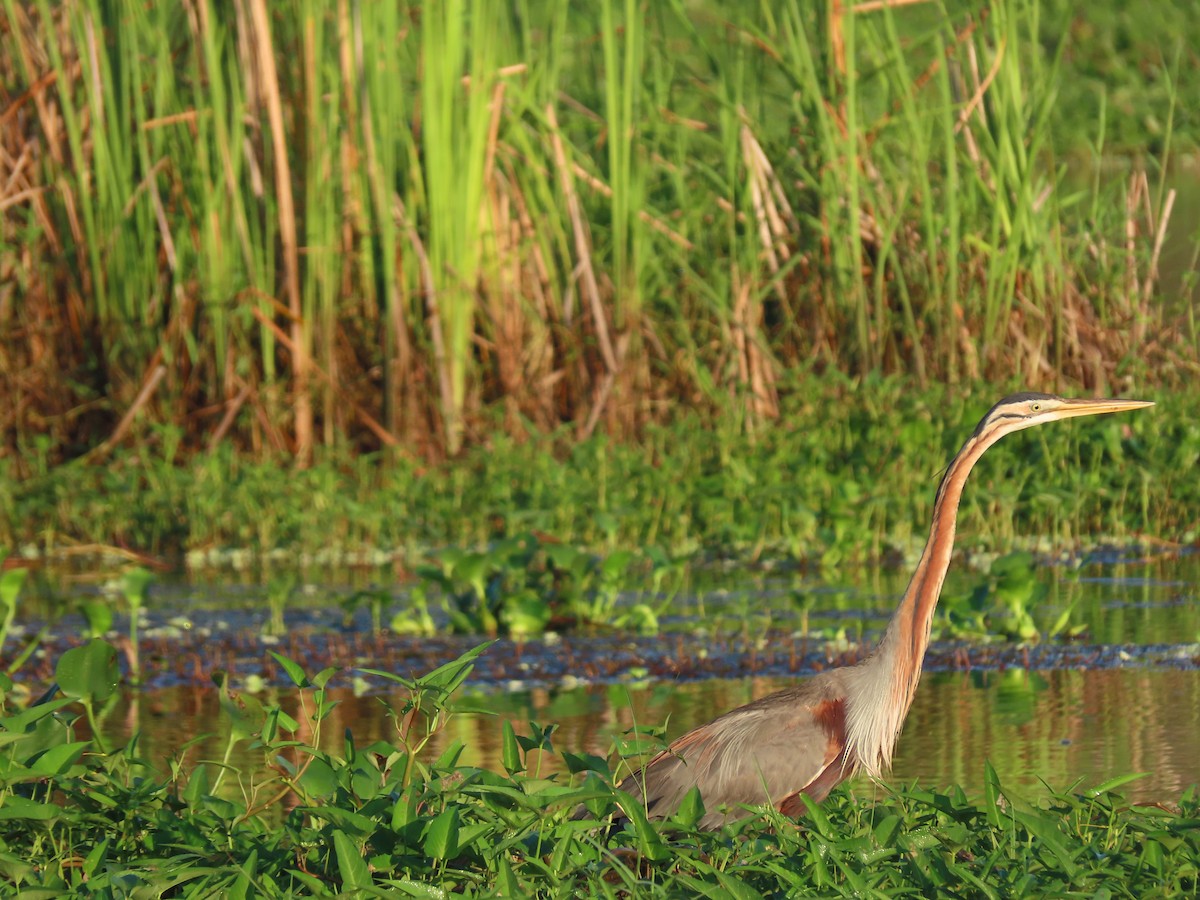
[[532, 317]]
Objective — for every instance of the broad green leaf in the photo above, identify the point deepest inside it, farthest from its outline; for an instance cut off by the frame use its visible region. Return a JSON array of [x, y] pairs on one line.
[[293, 670], [691, 809], [136, 583], [351, 866], [88, 672], [11, 581], [14, 807], [650, 843], [441, 835], [58, 759], [99, 616]]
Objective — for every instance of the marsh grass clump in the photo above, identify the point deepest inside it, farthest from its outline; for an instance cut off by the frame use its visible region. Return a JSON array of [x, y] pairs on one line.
[[847, 477], [76, 815], [372, 227]]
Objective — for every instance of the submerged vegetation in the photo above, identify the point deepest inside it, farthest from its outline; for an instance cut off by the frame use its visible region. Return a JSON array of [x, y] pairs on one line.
[[77, 816]]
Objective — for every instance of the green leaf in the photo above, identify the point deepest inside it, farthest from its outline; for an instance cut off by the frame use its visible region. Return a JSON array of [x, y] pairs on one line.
[[293, 670], [58, 759], [525, 613], [441, 835], [136, 583], [88, 672], [344, 820], [94, 864], [351, 866], [10, 585], [14, 807], [510, 749], [691, 809], [99, 616], [319, 779], [1113, 783], [450, 676], [650, 843]]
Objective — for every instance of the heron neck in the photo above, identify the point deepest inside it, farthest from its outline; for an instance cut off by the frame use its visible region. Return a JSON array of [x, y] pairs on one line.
[[907, 635]]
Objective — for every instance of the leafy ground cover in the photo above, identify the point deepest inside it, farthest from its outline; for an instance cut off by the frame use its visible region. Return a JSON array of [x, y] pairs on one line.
[[383, 820], [849, 474]]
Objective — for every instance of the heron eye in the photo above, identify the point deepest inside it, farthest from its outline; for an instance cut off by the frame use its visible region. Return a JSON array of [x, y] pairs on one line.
[[1036, 407]]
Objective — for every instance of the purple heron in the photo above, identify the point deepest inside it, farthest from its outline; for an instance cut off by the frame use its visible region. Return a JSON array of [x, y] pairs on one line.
[[806, 739]]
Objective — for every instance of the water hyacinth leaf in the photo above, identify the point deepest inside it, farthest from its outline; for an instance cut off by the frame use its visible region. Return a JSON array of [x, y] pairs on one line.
[[640, 618], [614, 566], [472, 569], [135, 585], [11, 581], [525, 614], [99, 617], [88, 672]]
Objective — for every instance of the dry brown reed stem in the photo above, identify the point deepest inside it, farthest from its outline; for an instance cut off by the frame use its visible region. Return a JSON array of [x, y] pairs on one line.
[[365, 417], [976, 100], [1138, 193], [588, 277], [232, 408], [1160, 235], [657, 224], [876, 5], [770, 205], [582, 245], [149, 386], [302, 407], [433, 308]]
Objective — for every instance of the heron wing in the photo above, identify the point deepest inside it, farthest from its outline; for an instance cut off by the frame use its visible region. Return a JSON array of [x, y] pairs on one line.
[[769, 751]]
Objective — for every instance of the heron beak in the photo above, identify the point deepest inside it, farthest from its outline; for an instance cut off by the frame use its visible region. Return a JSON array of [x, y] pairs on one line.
[[1087, 407]]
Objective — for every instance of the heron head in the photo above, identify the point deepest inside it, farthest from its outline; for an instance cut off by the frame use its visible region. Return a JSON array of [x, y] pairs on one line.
[[1028, 408]]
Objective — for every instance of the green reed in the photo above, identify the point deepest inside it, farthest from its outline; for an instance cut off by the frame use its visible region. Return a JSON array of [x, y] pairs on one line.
[[421, 225]]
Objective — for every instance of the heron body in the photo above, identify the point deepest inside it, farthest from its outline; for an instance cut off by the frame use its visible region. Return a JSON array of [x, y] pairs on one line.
[[805, 740]]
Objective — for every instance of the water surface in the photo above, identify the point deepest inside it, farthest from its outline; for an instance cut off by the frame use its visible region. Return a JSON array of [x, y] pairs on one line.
[[1051, 728]]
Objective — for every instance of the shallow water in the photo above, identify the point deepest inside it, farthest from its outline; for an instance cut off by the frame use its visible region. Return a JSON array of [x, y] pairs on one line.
[[1123, 697], [1056, 727]]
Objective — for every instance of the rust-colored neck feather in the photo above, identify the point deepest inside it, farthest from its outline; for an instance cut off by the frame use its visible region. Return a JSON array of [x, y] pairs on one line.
[[884, 683]]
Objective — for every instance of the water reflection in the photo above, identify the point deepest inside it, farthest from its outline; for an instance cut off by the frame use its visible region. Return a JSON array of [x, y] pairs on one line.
[[1056, 727]]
